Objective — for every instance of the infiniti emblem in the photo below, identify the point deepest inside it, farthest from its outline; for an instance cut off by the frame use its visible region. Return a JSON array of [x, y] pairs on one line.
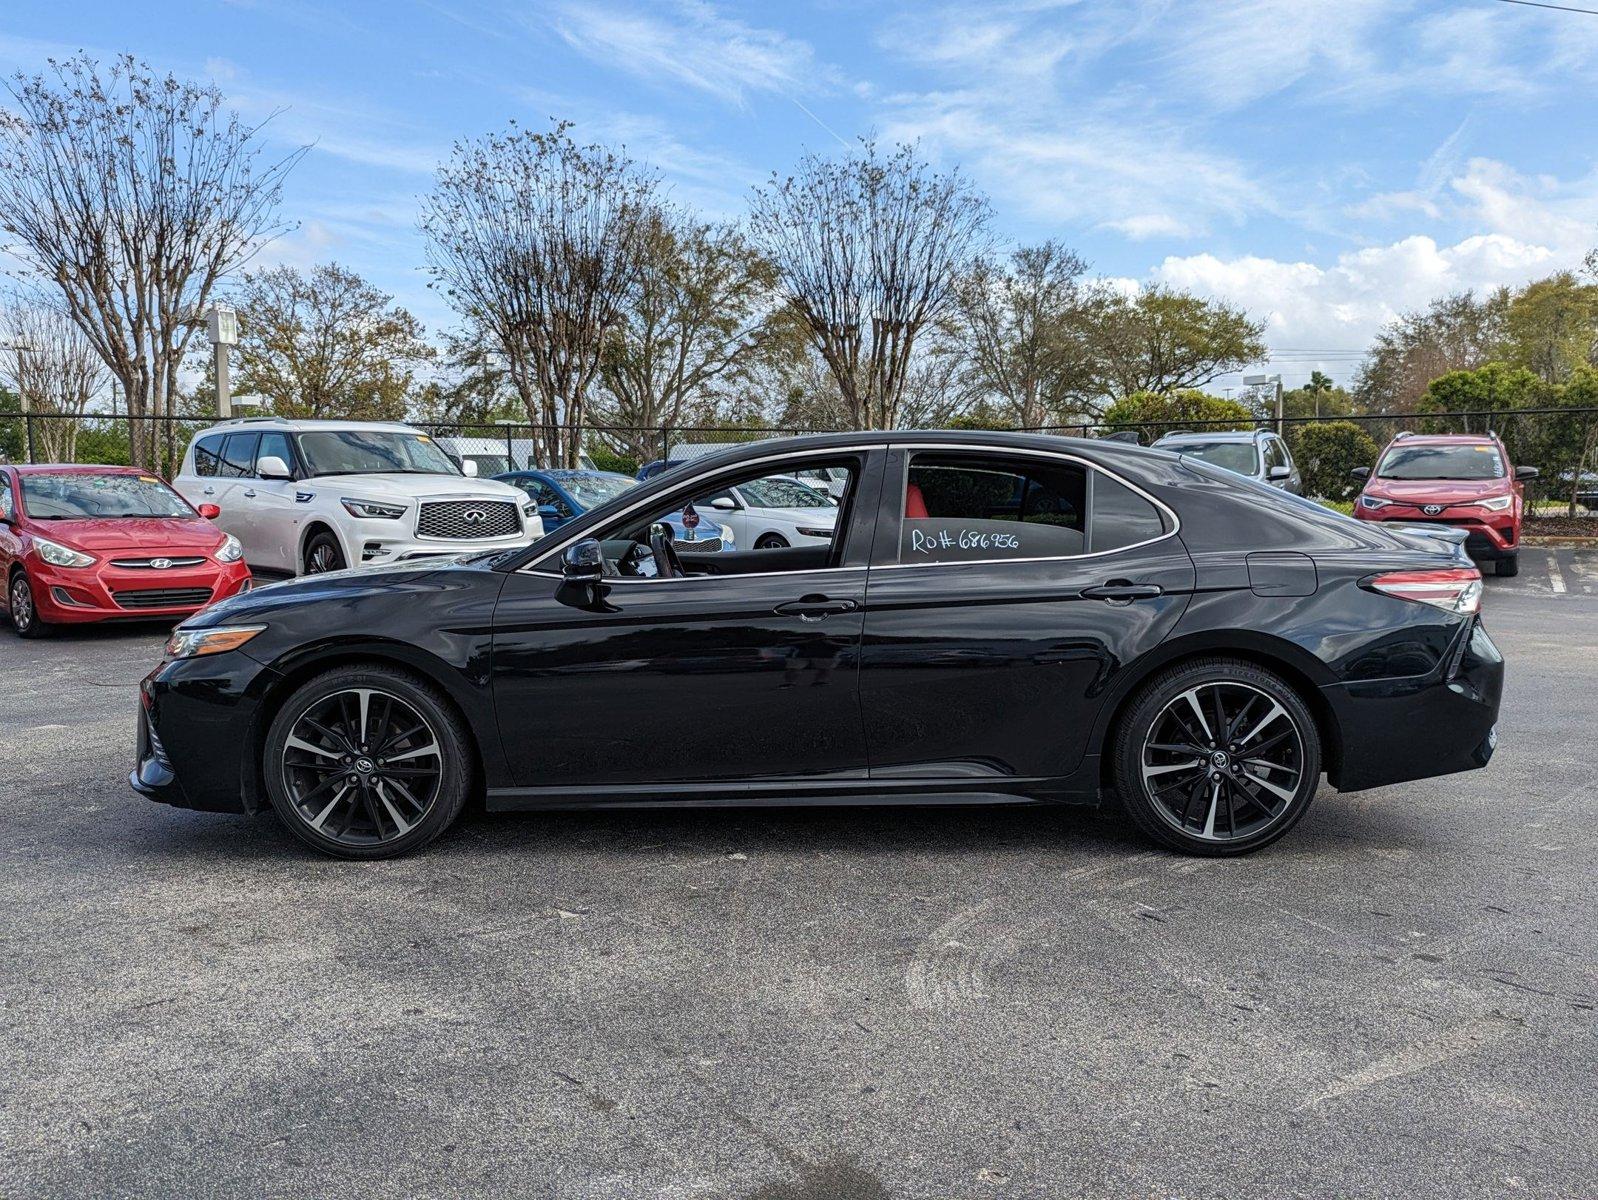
[[1431, 510], [160, 564], [474, 516]]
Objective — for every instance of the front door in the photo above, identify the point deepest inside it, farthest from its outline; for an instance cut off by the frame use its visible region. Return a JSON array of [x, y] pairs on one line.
[[743, 670], [1006, 591], [270, 526]]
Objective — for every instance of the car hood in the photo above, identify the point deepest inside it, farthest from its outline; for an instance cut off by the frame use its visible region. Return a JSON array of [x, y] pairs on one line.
[[818, 517], [1436, 491], [263, 600], [400, 486], [167, 535]]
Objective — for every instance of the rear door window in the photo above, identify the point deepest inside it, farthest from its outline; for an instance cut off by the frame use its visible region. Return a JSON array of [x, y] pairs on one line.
[[964, 507], [208, 456], [238, 455]]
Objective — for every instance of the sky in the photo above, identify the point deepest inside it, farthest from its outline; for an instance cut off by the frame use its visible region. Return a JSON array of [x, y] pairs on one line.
[[1323, 163]]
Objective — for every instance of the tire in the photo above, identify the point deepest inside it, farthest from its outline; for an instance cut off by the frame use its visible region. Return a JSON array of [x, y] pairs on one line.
[[25, 618], [305, 762], [1181, 800], [323, 554], [771, 541], [1508, 567]]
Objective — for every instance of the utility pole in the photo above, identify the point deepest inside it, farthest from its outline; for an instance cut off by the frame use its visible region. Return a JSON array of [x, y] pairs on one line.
[[223, 328], [23, 398]]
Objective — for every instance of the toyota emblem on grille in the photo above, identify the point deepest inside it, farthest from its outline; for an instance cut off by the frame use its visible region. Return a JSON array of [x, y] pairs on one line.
[[474, 516], [1431, 510], [160, 564]]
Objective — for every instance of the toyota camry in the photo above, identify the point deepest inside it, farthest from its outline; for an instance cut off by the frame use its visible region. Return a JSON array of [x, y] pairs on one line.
[[999, 618]]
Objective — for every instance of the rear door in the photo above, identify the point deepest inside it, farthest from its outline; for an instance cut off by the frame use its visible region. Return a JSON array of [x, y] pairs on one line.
[[1007, 588]]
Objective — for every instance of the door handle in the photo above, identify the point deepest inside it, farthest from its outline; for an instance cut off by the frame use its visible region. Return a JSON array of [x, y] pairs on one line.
[[1120, 591], [814, 608], [250, 493]]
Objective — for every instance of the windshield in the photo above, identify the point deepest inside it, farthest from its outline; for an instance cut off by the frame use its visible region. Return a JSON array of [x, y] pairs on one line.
[[778, 492], [1441, 462], [373, 452], [593, 490], [1233, 456], [67, 496]]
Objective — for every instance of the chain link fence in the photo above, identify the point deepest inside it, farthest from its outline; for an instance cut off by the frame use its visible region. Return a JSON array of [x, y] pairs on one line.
[[1561, 442]]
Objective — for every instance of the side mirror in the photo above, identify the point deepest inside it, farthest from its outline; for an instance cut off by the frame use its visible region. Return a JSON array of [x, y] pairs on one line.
[[1527, 472], [584, 561], [1361, 472], [273, 467], [469, 469], [548, 512], [1279, 472], [210, 511], [724, 504]]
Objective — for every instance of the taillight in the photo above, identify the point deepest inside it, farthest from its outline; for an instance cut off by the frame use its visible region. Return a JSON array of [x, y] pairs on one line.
[[1456, 589]]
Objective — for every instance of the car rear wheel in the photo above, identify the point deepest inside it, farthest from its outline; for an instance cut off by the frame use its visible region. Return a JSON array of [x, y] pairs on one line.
[[367, 762], [1217, 757], [25, 617], [1508, 566], [322, 554]]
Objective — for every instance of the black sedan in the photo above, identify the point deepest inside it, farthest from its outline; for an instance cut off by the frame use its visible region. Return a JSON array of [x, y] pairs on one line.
[[1000, 617]]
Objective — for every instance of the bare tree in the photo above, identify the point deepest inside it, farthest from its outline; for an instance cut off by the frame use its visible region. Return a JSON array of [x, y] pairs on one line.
[[868, 250], [1452, 333], [133, 193], [327, 343], [60, 373], [1022, 328], [538, 242], [693, 321]]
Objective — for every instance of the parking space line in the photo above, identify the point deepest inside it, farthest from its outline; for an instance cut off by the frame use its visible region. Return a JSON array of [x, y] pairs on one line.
[[1555, 577]]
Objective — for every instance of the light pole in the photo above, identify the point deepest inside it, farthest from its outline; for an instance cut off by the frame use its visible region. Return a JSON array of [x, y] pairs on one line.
[[222, 325], [23, 399], [1262, 381]]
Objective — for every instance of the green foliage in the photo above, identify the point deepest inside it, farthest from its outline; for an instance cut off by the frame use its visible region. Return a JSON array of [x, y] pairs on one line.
[[1494, 390], [1162, 340], [1327, 453], [1170, 411], [609, 460]]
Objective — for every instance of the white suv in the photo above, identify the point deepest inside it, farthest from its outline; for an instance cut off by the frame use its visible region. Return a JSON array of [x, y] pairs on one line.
[[310, 496]]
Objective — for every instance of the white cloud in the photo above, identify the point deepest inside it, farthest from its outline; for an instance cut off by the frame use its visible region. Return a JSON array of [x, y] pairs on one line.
[[694, 45]]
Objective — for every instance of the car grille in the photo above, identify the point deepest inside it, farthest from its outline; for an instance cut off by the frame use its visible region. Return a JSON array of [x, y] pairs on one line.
[[163, 598], [148, 564], [468, 520], [698, 546]]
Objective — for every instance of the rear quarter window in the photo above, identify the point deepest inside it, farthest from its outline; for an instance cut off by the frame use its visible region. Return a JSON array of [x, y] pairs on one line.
[[1120, 517], [208, 456]]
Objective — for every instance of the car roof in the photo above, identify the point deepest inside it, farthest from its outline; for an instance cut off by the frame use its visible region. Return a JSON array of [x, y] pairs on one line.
[[294, 425], [1215, 435], [1445, 439]]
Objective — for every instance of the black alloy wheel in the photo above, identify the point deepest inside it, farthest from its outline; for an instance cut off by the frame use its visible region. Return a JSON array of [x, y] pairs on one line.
[[367, 762], [1220, 757], [322, 554], [25, 617]]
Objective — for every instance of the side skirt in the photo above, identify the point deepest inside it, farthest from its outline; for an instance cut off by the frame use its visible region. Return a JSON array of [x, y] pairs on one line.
[[787, 793]]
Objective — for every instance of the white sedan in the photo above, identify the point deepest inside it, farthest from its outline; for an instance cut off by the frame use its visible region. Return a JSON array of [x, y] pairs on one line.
[[769, 513]]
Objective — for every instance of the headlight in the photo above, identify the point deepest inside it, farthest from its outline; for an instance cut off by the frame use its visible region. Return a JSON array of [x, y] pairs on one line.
[[816, 533], [727, 538], [1373, 502], [229, 550], [60, 556], [1496, 504], [193, 643], [529, 511], [371, 508]]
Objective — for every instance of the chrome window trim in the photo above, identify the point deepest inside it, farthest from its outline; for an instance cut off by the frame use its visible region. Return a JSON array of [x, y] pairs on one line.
[[1176, 522], [975, 447], [532, 568], [609, 579]]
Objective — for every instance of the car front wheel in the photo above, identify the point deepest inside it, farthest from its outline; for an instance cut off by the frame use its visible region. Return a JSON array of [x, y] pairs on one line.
[[25, 617], [322, 554], [367, 762], [1217, 757], [771, 541]]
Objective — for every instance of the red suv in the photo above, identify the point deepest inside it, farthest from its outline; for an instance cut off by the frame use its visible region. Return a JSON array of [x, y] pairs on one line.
[[95, 543], [1463, 480]]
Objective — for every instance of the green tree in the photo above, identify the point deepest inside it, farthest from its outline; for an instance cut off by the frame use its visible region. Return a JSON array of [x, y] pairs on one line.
[[1327, 452], [1453, 333], [1493, 392], [326, 344], [1552, 326], [1163, 340], [1155, 413], [1566, 445]]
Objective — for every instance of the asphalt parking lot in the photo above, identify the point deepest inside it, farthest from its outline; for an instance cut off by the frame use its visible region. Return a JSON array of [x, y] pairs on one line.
[[1400, 998]]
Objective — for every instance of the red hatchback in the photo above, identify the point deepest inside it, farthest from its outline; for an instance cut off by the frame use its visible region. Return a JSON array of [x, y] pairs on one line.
[[100, 543], [1463, 480]]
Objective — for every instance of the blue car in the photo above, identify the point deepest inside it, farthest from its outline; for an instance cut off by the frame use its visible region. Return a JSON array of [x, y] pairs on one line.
[[562, 495]]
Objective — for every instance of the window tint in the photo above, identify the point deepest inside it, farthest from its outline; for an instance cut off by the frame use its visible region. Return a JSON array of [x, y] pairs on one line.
[[966, 508], [1234, 456], [5, 496], [208, 456], [1457, 461], [276, 445], [1276, 454], [238, 455], [1120, 516]]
